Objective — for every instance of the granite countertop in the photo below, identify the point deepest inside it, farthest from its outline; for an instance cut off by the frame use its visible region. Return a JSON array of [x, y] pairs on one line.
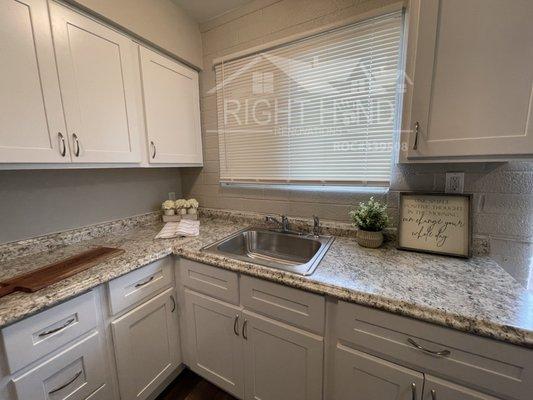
[[475, 296]]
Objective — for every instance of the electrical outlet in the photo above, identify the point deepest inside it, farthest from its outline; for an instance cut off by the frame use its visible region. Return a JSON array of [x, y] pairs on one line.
[[455, 182]]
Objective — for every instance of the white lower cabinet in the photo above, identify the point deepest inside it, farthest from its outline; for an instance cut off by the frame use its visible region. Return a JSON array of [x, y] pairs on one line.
[[146, 346], [359, 376], [73, 374], [214, 341], [281, 361], [438, 389], [251, 356]]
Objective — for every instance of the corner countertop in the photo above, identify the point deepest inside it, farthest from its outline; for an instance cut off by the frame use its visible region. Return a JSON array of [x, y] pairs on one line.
[[475, 296]]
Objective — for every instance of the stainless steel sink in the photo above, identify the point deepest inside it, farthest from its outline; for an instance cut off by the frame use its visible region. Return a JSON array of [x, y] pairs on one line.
[[293, 252]]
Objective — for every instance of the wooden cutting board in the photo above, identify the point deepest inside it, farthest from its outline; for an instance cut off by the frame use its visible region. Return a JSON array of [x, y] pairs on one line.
[[52, 273]]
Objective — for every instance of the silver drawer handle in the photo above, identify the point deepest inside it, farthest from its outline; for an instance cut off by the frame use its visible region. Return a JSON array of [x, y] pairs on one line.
[[441, 353], [236, 325], [145, 283], [154, 153], [417, 130], [77, 142], [173, 303], [433, 394], [46, 333], [66, 384], [413, 390], [62, 144], [244, 329]]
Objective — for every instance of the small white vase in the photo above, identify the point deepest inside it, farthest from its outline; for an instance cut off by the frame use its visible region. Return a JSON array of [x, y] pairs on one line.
[[369, 239], [183, 211], [169, 212], [192, 211]]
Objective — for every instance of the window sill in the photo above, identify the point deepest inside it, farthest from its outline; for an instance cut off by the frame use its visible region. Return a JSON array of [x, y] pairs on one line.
[[333, 189]]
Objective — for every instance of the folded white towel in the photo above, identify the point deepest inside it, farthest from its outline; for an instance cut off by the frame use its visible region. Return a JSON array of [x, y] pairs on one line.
[[185, 227]]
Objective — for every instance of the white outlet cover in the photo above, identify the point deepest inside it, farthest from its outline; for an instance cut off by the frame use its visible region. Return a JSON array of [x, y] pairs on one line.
[[455, 182]]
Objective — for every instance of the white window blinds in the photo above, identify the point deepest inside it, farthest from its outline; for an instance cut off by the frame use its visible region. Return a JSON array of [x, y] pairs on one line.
[[320, 110]]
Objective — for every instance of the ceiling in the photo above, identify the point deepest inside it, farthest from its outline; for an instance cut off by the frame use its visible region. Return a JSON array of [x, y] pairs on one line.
[[204, 10]]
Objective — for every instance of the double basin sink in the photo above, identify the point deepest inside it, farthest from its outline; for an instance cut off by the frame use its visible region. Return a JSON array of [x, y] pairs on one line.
[[294, 252]]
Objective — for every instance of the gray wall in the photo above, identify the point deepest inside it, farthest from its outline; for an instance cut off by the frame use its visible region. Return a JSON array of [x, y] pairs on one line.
[[34, 203], [503, 193]]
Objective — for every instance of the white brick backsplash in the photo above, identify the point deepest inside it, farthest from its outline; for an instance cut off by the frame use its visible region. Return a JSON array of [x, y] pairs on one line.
[[516, 257], [504, 225]]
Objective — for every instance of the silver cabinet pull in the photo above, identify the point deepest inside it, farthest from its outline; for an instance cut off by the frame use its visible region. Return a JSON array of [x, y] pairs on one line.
[[413, 390], [173, 303], [244, 330], [46, 333], [417, 129], [433, 394], [154, 150], [236, 325], [441, 353], [77, 143], [145, 282], [66, 384], [62, 144]]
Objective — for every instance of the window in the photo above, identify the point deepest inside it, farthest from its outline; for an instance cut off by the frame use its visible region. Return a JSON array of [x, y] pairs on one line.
[[319, 110]]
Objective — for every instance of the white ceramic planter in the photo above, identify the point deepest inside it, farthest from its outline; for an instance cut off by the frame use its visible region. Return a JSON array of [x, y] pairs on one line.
[[168, 212], [182, 211], [369, 239], [192, 211]]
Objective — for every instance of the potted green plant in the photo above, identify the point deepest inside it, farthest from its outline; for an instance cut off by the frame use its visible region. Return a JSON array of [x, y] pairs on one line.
[[168, 207], [370, 218]]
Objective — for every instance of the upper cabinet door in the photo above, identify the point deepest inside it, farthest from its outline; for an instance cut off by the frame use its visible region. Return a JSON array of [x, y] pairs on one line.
[[473, 78], [32, 128], [98, 87], [171, 110]]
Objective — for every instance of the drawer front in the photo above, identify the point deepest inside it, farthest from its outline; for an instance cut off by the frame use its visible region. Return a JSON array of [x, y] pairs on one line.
[[215, 282], [34, 337], [474, 361], [74, 374], [140, 284], [293, 306]]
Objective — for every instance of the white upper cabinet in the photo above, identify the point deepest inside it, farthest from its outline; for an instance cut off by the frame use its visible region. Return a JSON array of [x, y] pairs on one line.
[[471, 65], [32, 128], [97, 80], [171, 110]]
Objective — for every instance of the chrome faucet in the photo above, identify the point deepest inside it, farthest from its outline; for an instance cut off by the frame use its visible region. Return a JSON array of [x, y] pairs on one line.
[[284, 223], [316, 226]]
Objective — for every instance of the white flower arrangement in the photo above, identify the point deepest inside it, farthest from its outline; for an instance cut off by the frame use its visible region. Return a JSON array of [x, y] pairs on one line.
[[167, 205], [193, 203], [181, 203]]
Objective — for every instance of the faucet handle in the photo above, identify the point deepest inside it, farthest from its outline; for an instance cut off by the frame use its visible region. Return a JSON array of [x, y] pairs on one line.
[[316, 225]]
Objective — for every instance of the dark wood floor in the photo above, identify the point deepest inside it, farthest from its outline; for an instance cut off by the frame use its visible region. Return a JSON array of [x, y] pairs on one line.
[[189, 386]]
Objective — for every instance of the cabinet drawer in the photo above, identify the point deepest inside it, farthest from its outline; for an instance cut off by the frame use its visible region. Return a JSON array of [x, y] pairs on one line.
[[213, 281], [140, 284], [474, 361], [293, 306], [30, 339], [73, 374]]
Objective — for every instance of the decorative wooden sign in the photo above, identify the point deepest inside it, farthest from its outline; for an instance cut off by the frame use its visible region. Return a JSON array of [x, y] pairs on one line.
[[435, 223]]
